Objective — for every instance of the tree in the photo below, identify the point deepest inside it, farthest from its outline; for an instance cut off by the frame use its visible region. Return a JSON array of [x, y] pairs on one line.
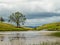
[[17, 18], [1, 19]]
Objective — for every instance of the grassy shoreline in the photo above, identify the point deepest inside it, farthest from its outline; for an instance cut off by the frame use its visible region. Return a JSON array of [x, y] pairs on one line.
[[56, 34]]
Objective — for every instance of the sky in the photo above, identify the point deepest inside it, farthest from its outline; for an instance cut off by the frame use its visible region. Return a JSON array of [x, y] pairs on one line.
[[37, 12]]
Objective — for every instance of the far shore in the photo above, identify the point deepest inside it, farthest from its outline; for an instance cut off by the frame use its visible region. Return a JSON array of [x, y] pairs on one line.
[[43, 32]]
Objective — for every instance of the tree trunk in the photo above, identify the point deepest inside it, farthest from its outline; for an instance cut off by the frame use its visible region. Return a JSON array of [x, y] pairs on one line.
[[18, 25]]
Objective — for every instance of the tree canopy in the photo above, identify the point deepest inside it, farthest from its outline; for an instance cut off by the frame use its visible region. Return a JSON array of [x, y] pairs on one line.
[[17, 18], [1, 19]]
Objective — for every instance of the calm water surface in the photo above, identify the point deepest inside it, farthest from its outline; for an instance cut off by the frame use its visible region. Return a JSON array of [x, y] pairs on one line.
[[28, 37]]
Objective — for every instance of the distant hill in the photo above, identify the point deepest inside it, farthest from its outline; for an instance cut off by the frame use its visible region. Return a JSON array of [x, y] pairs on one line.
[[31, 26], [9, 27], [50, 27]]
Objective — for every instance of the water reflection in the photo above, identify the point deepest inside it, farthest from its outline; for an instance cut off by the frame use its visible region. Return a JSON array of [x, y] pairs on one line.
[[25, 38]]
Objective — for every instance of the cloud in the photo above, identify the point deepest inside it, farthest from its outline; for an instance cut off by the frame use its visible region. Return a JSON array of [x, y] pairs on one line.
[[46, 11], [31, 5], [41, 15], [41, 21], [28, 6]]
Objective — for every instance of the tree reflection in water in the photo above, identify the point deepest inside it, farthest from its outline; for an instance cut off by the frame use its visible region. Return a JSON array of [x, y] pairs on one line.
[[19, 39]]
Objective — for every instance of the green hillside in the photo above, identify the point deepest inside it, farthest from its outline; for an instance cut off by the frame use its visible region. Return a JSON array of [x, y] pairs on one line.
[[50, 27], [9, 27]]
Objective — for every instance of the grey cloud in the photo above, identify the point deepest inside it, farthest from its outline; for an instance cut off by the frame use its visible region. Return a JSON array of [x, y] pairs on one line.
[[41, 15], [41, 21]]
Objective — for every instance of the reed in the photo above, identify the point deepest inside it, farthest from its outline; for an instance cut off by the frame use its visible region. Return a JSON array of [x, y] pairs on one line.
[[48, 43]]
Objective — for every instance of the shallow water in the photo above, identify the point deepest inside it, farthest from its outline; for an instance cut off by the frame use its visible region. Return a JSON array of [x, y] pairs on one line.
[[27, 38]]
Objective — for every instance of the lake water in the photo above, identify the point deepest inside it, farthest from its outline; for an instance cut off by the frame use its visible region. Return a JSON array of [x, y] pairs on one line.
[[26, 38]]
